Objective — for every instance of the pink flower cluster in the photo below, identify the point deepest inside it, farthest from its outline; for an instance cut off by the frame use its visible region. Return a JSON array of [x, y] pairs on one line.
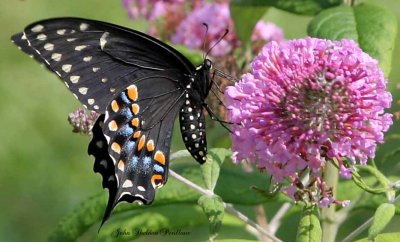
[[150, 9], [308, 102], [183, 23], [191, 31]]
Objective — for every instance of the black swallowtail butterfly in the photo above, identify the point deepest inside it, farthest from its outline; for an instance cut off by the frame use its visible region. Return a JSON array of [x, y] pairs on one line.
[[138, 84]]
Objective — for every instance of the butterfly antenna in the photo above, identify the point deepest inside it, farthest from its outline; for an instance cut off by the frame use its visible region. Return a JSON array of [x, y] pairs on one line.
[[204, 41], [219, 40], [228, 77]]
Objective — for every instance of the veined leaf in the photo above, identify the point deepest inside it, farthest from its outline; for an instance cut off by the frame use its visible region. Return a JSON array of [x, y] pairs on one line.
[[309, 229], [211, 168], [213, 207], [302, 7], [373, 27], [384, 213]]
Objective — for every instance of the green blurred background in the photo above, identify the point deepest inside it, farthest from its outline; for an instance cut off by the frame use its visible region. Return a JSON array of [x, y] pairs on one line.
[[44, 167]]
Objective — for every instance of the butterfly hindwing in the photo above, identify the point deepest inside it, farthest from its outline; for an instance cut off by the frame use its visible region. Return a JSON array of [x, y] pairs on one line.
[[96, 60], [138, 129]]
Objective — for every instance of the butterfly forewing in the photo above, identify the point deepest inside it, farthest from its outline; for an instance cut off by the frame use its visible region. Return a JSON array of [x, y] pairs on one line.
[[97, 60]]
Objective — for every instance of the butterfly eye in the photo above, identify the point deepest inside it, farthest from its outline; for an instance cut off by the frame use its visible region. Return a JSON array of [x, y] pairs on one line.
[[208, 64]]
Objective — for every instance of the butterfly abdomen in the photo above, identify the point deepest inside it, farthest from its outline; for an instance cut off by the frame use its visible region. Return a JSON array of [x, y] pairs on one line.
[[192, 124]]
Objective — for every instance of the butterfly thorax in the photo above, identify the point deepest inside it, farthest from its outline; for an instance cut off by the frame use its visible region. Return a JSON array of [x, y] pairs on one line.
[[200, 80]]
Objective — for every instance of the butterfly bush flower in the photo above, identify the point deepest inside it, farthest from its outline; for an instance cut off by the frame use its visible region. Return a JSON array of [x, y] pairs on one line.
[[149, 9], [267, 32], [191, 31], [81, 121], [307, 102]]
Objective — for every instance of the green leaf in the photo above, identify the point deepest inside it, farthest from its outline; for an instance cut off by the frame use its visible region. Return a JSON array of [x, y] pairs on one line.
[[382, 217], [387, 237], [213, 207], [309, 229], [302, 7], [245, 18], [210, 169], [195, 56], [373, 27]]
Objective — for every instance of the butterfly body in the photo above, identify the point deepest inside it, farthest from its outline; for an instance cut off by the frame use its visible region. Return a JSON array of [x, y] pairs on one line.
[[138, 85]]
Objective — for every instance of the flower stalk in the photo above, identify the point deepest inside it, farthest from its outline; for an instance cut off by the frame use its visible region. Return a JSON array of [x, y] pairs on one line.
[[329, 225]]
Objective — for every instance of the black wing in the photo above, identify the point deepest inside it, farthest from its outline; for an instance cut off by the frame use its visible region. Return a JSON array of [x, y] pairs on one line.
[[97, 60], [138, 127]]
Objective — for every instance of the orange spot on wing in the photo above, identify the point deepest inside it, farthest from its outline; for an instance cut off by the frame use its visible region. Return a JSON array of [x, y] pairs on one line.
[[121, 165], [135, 108], [116, 147], [114, 106], [154, 178], [135, 122], [132, 92], [160, 157], [150, 145], [141, 142], [136, 134]]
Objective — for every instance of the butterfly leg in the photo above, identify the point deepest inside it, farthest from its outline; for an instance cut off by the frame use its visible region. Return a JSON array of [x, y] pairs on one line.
[[215, 118]]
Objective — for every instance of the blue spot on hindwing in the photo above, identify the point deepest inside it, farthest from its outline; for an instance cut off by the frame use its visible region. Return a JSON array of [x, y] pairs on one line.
[[158, 168], [132, 164], [127, 113], [126, 131], [124, 98], [130, 146], [146, 164]]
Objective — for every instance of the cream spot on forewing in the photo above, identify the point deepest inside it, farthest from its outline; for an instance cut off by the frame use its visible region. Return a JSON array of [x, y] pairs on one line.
[[87, 58], [41, 37], [90, 101], [74, 79], [103, 39], [66, 68], [56, 56], [104, 80], [49, 46], [61, 31], [96, 107], [83, 26], [37, 28], [96, 69], [83, 90], [80, 47], [71, 39]]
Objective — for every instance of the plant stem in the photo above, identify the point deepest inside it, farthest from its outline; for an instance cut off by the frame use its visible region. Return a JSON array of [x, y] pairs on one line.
[[228, 207], [261, 219], [276, 220], [329, 226], [349, 2]]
